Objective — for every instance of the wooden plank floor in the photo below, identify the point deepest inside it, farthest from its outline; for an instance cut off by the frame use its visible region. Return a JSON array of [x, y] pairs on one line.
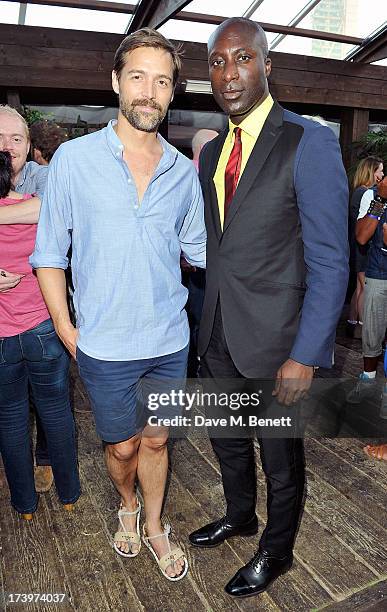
[[340, 555]]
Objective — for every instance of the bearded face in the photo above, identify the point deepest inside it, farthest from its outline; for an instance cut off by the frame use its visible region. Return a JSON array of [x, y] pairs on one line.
[[145, 87], [142, 114]]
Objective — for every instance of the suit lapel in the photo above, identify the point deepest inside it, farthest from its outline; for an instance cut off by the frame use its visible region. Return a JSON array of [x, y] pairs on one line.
[[213, 163], [271, 131]]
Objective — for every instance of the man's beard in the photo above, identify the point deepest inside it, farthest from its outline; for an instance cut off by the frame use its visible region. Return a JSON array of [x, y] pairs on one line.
[[145, 122]]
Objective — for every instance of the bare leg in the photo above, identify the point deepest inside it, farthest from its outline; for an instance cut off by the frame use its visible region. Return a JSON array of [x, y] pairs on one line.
[[370, 364], [152, 473], [121, 461], [352, 316], [360, 294]]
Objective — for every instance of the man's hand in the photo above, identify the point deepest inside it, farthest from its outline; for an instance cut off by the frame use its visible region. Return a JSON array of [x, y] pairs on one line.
[[382, 188], [185, 266], [293, 381], [8, 280], [69, 336]]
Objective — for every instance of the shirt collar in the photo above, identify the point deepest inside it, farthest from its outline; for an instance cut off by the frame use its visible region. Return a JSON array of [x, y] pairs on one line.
[[252, 124], [117, 148], [22, 177]]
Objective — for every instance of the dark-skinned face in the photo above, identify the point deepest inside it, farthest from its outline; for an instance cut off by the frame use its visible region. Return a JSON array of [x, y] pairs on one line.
[[238, 70]]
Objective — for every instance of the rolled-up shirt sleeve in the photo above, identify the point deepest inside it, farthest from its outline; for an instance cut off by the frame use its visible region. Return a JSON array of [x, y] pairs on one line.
[[193, 235], [365, 202], [53, 236]]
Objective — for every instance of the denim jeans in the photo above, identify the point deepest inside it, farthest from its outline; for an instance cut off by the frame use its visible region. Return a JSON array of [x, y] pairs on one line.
[[41, 449], [36, 359]]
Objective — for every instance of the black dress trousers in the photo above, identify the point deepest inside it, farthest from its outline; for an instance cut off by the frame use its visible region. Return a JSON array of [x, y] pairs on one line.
[[282, 460]]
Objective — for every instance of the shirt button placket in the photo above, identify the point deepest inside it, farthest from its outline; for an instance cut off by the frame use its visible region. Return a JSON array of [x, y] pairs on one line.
[[136, 207]]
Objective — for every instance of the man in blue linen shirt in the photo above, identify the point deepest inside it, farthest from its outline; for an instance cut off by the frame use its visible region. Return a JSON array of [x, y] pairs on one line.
[[128, 203]]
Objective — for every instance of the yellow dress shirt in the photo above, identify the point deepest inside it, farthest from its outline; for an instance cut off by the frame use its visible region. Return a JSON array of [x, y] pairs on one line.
[[251, 128]]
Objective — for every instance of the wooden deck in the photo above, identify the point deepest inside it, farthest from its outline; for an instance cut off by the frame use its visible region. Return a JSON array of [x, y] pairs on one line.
[[340, 555]]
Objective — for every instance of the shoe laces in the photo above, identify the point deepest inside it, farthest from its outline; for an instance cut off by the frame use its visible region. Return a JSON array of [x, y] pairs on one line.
[[222, 521], [258, 561]]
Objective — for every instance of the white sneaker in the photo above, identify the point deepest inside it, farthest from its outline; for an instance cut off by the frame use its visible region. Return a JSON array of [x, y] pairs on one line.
[[364, 388]]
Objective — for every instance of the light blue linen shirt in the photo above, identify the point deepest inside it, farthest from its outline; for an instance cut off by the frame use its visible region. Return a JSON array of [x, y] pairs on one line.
[[32, 179], [125, 262]]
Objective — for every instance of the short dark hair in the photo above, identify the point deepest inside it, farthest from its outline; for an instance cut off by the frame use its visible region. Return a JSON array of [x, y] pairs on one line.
[[146, 37], [5, 173], [47, 136]]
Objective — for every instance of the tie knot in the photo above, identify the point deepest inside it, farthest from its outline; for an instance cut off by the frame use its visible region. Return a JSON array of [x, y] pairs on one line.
[[238, 134]]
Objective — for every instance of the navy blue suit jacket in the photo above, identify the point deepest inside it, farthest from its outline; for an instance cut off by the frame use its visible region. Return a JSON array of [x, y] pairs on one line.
[[280, 265]]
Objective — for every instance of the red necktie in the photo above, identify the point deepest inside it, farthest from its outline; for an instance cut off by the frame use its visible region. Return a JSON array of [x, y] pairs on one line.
[[233, 169]]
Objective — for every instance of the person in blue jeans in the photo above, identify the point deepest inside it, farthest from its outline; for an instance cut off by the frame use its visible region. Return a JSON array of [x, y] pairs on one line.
[[41, 140], [31, 357]]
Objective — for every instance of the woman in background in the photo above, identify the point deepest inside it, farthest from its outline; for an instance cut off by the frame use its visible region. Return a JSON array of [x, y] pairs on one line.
[[31, 356], [369, 172]]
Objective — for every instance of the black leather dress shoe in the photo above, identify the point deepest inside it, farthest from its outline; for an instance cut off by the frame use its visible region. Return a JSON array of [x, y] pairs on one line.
[[258, 574], [217, 532]]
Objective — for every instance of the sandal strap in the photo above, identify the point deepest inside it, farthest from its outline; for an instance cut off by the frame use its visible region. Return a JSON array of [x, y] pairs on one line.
[[122, 512], [170, 558], [127, 536], [166, 532]]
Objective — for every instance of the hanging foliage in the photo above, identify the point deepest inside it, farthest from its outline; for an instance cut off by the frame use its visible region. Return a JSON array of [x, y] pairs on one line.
[[373, 143]]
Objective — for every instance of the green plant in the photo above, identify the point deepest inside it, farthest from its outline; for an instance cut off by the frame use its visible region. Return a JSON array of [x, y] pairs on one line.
[[33, 115], [373, 143]]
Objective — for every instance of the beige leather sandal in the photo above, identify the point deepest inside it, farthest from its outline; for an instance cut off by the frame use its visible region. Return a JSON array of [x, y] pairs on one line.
[[128, 536], [170, 557]]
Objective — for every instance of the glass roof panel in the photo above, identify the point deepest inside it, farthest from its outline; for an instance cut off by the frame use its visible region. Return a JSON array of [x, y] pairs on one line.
[[310, 46], [276, 12], [76, 19], [9, 12], [350, 17], [224, 8], [186, 30]]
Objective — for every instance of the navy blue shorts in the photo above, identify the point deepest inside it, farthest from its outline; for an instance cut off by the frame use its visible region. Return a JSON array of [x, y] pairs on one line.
[[119, 391]]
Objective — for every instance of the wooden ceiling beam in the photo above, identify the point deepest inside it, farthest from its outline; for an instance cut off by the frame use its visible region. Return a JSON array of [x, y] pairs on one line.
[[94, 5], [274, 28], [42, 59], [371, 50], [154, 13]]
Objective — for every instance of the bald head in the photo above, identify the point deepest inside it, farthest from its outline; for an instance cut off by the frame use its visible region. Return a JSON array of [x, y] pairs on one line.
[[241, 24], [200, 139]]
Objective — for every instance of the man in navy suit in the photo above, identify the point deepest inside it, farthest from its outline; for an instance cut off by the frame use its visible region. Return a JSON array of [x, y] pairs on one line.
[[276, 204]]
